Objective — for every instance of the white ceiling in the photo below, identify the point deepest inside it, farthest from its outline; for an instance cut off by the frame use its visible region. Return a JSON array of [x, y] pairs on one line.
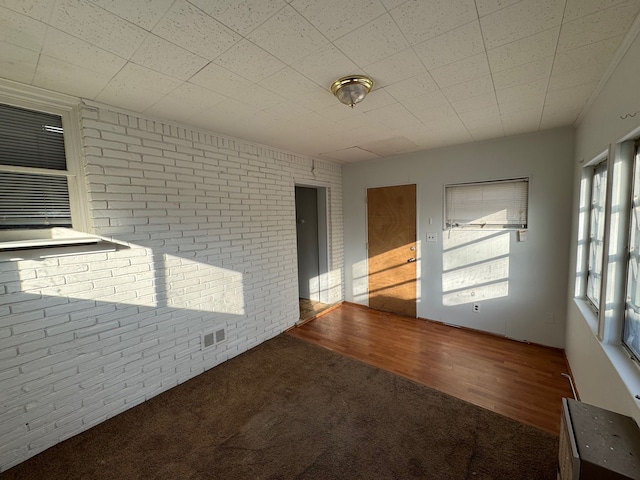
[[445, 71]]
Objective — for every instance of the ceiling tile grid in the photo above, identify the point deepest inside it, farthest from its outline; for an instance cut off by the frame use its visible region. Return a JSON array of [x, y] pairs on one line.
[[444, 71]]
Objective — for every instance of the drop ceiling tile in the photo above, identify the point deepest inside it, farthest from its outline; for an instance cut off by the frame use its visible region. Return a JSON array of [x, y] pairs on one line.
[[292, 85], [196, 95], [481, 102], [145, 13], [486, 132], [555, 121], [286, 110], [574, 97], [173, 108], [224, 114], [65, 47], [412, 87], [599, 53], [162, 56], [523, 51], [522, 97], [288, 36], [580, 8], [457, 44], [338, 112], [325, 65], [395, 110], [373, 42], [214, 77], [241, 16], [192, 29], [436, 114], [420, 20], [426, 101], [475, 118], [450, 128], [17, 63], [260, 98], [36, 9], [580, 76], [390, 146], [391, 4], [64, 77], [461, 71], [378, 98], [350, 155], [133, 75], [473, 88], [395, 68], [485, 7], [598, 26], [97, 26], [21, 31], [520, 20], [522, 121], [311, 120], [523, 74], [249, 61], [335, 18]]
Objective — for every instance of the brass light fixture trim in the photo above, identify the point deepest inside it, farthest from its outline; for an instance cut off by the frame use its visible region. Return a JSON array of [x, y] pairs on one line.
[[351, 89]]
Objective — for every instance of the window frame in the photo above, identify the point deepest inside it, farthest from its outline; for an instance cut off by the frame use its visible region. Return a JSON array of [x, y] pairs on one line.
[[635, 165], [68, 109], [594, 166], [524, 179]]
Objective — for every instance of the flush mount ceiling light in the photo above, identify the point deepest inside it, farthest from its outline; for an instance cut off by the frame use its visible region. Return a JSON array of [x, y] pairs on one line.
[[352, 89]]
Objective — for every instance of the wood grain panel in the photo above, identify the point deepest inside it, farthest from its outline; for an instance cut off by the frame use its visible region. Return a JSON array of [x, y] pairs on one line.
[[515, 379], [391, 221]]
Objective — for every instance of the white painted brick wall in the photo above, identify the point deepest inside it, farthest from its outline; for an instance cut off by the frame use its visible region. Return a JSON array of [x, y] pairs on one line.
[[210, 224]]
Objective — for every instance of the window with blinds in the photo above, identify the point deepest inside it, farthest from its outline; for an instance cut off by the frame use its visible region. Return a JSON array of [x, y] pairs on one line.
[[488, 205], [33, 170]]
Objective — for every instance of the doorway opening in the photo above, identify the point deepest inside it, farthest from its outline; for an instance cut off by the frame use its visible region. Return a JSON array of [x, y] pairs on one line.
[[313, 249]]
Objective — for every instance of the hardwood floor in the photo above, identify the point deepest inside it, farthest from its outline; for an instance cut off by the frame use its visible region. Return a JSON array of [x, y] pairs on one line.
[[515, 379]]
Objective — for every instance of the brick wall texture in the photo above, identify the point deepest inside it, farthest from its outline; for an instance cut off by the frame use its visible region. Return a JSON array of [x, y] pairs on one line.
[[208, 230]]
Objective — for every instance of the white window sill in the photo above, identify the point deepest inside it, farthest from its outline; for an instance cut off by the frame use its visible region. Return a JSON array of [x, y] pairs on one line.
[[588, 313], [36, 244], [627, 368]]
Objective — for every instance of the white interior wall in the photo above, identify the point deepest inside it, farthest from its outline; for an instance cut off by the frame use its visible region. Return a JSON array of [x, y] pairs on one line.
[[521, 286], [210, 223], [604, 374]]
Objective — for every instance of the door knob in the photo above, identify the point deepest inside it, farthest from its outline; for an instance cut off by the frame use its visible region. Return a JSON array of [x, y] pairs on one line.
[[411, 260]]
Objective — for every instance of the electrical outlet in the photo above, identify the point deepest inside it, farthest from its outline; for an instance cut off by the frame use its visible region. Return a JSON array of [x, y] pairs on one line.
[[432, 237], [475, 308]]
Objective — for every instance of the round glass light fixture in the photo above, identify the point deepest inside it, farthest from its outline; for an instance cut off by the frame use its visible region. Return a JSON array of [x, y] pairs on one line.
[[352, 89]]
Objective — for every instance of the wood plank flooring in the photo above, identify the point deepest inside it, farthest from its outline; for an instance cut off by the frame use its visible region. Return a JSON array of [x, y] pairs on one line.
[[515, 379]]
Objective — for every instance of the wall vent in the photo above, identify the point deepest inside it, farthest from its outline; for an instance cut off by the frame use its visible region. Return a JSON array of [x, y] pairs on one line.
[[220, 336], [207, 340]]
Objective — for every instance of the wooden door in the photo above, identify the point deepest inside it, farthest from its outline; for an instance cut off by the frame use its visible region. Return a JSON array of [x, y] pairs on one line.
[[391, 220]]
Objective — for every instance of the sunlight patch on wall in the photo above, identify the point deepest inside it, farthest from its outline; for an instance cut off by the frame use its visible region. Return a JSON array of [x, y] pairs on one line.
[[475, 266], [360, 281]]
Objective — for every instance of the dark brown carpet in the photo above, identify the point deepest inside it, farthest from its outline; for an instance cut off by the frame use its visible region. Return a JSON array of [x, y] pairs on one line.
[[290, 409]]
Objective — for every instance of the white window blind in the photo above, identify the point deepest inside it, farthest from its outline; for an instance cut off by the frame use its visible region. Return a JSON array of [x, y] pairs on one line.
[[488, 205], [32, 198]]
